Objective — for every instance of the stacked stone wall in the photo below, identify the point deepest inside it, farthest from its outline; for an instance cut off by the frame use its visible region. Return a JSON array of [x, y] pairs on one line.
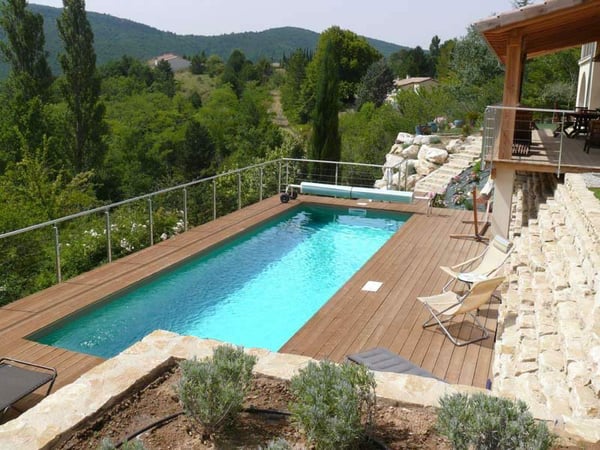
[[548, 345]]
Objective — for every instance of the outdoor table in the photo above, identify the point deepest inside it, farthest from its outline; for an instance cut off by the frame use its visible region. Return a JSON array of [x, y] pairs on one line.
[[581, 122]]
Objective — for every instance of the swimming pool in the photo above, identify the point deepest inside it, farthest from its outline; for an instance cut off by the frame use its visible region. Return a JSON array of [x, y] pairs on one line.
[[256, 290]]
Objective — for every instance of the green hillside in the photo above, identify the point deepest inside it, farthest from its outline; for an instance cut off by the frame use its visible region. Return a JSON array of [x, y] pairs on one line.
[[116, 37]]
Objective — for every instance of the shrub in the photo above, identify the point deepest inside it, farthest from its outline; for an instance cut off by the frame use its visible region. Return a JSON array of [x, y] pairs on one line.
[[278, 444], [331, 403], [487, 423], [212, 390], [107, 444]]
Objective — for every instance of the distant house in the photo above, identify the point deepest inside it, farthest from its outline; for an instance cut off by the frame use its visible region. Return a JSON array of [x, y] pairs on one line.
[[177, 62], [414, 83]]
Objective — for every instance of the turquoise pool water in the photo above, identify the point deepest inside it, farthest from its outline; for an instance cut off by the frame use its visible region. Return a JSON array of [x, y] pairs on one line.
[[255, 291]]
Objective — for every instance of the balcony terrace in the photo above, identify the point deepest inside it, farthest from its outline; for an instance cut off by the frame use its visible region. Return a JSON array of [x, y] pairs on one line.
[[554, 146]]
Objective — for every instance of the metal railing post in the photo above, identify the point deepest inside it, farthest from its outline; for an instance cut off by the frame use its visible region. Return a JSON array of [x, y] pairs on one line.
[[405, 176], [215, 199], [151, 221], [239, 190], [108, 237], [287, 174], [337, 168], [185, 209], [57, 253], [560, 148], [279, 179], [260, 188]]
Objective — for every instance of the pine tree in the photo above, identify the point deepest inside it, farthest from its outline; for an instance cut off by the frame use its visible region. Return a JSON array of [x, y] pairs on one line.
[[81, 87], [326, 141]]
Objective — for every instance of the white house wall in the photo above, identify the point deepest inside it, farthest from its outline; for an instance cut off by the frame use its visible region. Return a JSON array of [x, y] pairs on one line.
[[588, 86]]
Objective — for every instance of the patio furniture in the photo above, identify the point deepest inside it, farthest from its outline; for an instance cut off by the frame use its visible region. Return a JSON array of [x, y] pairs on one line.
[[522, 136], [593, 137], [446, 306], [481, 266], [581, 122], [383, 360], [18, 379]]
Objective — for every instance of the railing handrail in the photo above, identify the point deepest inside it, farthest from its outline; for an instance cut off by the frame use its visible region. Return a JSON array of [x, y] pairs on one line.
[[332, 162], [106, 208], [527, 108]]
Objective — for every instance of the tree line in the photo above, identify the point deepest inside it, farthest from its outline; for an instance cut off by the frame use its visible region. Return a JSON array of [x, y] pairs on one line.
[[469, 78]]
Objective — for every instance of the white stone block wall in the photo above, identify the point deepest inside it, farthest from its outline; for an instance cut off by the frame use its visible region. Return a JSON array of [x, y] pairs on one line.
[[548, 346]]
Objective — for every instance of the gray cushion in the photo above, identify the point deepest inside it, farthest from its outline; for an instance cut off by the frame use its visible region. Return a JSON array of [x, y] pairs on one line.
[[383, 360], [17, 382]]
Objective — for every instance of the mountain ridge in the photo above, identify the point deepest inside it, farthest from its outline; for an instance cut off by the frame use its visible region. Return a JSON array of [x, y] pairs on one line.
[[115, 37]]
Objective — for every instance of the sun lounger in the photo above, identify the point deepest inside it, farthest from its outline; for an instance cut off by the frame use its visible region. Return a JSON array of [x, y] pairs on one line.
[[484, 265], [446, 306], [383, 360], [18, 379]]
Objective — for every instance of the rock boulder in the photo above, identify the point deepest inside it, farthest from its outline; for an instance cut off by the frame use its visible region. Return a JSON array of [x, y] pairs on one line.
[[410, 152], [405, 138]]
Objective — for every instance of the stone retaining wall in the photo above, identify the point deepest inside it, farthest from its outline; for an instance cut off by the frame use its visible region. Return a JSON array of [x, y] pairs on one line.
[[548, 346], [43, 425]]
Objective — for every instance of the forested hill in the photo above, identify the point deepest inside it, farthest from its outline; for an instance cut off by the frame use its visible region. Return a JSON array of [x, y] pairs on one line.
[[116, 37]]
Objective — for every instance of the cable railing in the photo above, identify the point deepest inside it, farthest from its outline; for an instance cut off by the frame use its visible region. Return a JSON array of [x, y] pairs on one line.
[[44, 254], [542, 136]]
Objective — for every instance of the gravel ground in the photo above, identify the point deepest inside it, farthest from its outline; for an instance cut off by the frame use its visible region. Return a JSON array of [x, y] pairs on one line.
[[592, 180]]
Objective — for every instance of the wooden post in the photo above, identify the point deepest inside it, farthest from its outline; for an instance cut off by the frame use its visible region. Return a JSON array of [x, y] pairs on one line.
[[475, 221], [476, 236]]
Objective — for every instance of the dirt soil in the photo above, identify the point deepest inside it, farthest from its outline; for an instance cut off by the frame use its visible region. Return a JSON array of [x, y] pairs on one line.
[[397, 427]]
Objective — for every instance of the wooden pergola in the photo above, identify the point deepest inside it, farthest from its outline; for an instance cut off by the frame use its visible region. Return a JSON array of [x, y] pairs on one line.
[[514, 37], [533, 31]]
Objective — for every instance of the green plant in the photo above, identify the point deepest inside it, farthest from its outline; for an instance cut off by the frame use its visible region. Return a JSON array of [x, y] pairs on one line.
[[212, 390], [107, 444], [331, 403], [278, 444], [484, 422], [467, 129], [596, 192]]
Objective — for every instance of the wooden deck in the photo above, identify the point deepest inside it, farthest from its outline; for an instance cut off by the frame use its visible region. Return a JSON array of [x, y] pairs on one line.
[[351, 321], [546, 156]]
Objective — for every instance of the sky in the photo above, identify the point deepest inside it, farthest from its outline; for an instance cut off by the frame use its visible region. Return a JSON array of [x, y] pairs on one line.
[[401, 22]]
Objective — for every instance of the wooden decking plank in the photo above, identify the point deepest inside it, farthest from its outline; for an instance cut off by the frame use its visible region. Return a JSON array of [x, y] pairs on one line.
[[483, 358], [402, 290], [449, 355], [376, 302], [381, 317], [422, 345], [413, 308]]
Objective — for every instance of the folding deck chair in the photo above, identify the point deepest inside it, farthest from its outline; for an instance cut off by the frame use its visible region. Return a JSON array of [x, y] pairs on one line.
[[18, 379], [481, 266], [448, 305]]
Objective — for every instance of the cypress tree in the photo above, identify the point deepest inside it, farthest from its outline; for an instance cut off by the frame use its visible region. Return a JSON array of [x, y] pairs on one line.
[[81, 87], [24, 50], [326, 141]]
